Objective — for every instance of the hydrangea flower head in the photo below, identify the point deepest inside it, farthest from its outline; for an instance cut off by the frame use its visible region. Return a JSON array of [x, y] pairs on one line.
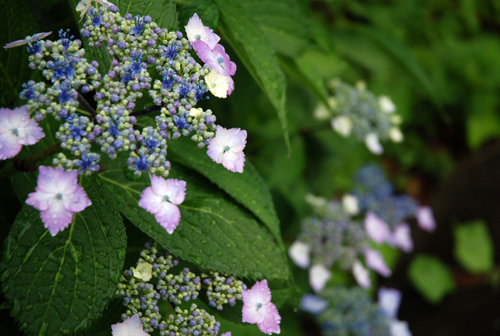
[[218, 84], [16, 130], [58, 196], [227, 148], [425, 218], [258, 308], [299, 252], [130, 327], [161, 199], [196, 31]]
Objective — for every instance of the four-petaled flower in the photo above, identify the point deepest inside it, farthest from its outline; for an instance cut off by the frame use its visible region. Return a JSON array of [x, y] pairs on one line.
[[227, 148], [216, 58], [130, 327], [196, 31], [161, 200], [143, 271], [58, 196], [258, 308], [16, 130]]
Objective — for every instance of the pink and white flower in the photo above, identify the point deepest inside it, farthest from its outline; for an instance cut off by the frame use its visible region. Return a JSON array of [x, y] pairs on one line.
[[227, 148], [16, 130], [389, 300], [216, 58], [196, 31], [218, 84], [130, 327], [361, 274], [161, 200], [376, 262], [376, 228], [258, 308], [425, 218], [58, 196], [299, 252], [401, 237]]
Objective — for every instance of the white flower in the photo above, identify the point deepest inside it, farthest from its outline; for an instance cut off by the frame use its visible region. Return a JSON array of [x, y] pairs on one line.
[[376, 228], [321, 112], [299, 252], [361, 274], [386, 104], [373, 144], [227, 148], [396, 135], [342, 125], [143, 271], [389, 300], [399, 328], [195, 112], [350, 204], [318, 277], [130, 327], [218, 84]]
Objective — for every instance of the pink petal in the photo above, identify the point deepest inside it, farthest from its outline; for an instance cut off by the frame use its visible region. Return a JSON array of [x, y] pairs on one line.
[[176, 191], [376, 228], [169, 216], [401, 237], [9, 146], [251, 314], [376, 262], [361, 274], [56, 218], [150, 201], [426, 219], [131, 326], [271, 321]]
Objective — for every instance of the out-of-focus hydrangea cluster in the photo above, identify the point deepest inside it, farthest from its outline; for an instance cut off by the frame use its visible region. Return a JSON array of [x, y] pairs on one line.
[[341, 232], [139, 50], [357, 111], [152, 280]]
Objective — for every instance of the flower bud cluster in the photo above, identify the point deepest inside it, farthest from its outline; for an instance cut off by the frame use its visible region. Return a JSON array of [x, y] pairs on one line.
[[141, 288], [222, 290], [351, 312], [375, 193], [333, 237]]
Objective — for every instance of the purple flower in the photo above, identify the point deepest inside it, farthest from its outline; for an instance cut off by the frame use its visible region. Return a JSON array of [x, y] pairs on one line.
[[58, 196], [226, 334], [161, 200], [227, 148], [425, 218], [376, 228], [401, 237], [28, 40], [16, 130], [131, 326], [313, 304], [258, 308], [389, 300], [196, 31], [376, 262], [216, 58]]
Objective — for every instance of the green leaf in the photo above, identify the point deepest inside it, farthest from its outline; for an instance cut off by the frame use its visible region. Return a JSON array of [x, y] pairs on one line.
[[256, 53], [60, 284], [282, 24], [483, 122], [247, 188], [207, 10], [161, 11], [213, 233], [474, 247], [430, 277], [402, 56]]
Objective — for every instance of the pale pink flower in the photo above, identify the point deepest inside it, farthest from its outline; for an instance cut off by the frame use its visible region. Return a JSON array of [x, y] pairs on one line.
[[28, 40], [318, 277], [389, 300], [161, 199], [361, 274], [216, 58], [227, 148], [425, 218], [196, 31], [376, 262], [58, 196], [258, 308], [376, 228], [299, 252], [130, 327], [226, 334], [399, 328], [16, 130], [401, 237]]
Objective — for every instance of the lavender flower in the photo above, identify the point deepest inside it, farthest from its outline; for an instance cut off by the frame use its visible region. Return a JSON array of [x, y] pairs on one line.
[[227, 148], [425, 218], [215, 58], [196, 31], [16, 130], [131, 326], [58, 196], [258, 308]]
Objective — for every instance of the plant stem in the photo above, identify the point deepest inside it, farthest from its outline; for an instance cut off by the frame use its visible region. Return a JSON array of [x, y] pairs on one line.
[[87, 106], [146, 111]]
